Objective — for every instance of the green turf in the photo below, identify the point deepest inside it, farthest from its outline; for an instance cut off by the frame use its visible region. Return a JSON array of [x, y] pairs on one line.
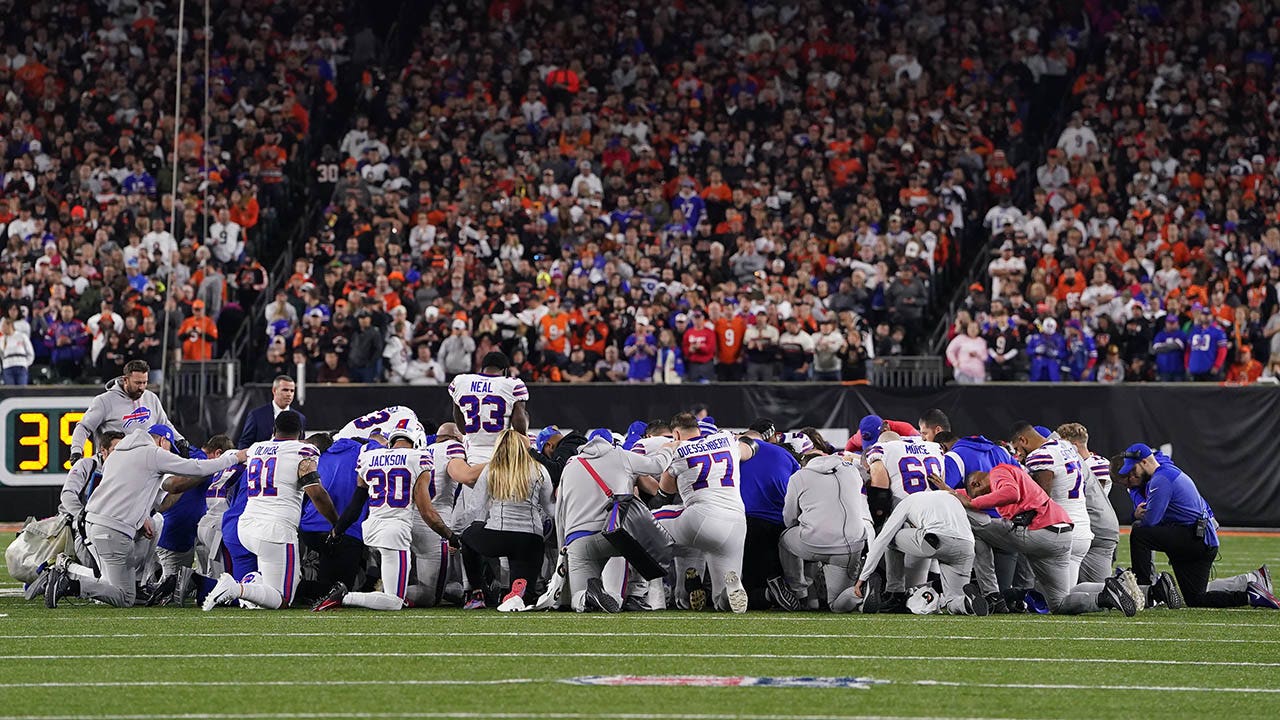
[[365, 664]]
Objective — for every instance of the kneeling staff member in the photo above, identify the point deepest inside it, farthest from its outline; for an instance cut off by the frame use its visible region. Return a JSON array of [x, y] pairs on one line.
[[117, 513], [584, 508], [932, 526], [1034, 525], [828, 521]]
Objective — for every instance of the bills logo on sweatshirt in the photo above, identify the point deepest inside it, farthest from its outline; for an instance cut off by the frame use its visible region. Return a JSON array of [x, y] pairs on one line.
[[140, 415]]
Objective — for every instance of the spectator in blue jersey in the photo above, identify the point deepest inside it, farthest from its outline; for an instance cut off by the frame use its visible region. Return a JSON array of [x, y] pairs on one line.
[[1047, 351], [1170, 516], [1170, 349], [763, 483], [1081, 352], [139, 182], [1206, 348], [338, 561], [641, 351]]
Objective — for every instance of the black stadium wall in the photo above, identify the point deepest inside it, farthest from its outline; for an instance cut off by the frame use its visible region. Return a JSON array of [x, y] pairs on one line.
[[1226, 438]]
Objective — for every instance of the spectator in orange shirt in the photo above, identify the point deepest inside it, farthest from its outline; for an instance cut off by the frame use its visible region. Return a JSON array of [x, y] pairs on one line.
[[729, 332], [1070, 282], [244, 206], [198, 334], [1246, 370], [554, 328]]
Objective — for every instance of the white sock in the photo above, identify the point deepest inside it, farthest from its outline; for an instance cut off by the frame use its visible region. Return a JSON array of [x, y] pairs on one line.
[[80, 572], [262, 594], [373, 600]]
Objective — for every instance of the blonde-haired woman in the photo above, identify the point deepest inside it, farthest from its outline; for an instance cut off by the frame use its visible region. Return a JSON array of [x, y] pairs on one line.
[[515, 492]]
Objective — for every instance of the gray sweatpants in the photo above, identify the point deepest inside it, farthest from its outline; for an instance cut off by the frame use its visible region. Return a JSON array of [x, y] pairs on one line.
[[119, 558], [955, 562], [587, 557], [840, 570], [1097, 563], [1049, 554]]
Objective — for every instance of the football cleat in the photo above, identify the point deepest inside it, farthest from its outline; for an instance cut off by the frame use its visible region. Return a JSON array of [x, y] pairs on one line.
[[1116, 595], [512, 603], [185, 588], [223, 593], [332, 599], [57, 586], [1135, 590], [598, 599], [974, 602], [873, 594], [996, 604], [475, 601], [736, 592], [1260, 597], [162, 594], [1165, 590], [696, 591], [1264, 578], [782, 594], [35, 588], [517, 589]]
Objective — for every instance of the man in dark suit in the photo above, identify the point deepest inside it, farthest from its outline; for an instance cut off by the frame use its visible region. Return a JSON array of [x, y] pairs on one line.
[[260, 420]]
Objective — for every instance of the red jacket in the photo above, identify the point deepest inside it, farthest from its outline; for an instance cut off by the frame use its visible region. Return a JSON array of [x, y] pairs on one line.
[[699, 345]]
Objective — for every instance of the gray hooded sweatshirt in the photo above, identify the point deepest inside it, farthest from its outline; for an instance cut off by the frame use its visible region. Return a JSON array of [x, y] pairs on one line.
[[131, 480], [583, 506], [113, 410], [824, 498]]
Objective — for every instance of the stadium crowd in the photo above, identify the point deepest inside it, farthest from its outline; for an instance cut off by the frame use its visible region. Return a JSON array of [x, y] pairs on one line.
[[664, 193], [1151, 246], [92, 273]]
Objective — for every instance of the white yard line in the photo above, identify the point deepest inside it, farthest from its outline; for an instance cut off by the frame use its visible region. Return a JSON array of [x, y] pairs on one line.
[[265, 683], [1143, 688], [820, 636], [478, 716], [633, 656]]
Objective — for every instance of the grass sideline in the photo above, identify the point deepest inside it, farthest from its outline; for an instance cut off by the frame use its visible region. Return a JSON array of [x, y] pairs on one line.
[[93, 662]]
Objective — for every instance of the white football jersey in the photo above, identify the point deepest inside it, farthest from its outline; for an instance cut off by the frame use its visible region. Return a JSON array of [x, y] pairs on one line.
[[444, 490], [383, 422], [909, 462], [707, 471], [390, 474], [1069, 477], [215, 498], [647, 446], [486, 402], [1101, 469], [274, 501]]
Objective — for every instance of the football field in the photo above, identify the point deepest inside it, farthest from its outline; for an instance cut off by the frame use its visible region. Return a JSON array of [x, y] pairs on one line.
[[85, 661]]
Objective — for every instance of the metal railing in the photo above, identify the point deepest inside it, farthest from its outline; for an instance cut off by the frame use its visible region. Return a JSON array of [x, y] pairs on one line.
[[907, 371]]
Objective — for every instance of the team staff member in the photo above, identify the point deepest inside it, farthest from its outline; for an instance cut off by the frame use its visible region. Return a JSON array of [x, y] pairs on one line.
[[583, 508], [127, 405], [828, 521], [1170, 516], [118, 516], [1034, 525], [764, 493], [260, 420], [931, 525]]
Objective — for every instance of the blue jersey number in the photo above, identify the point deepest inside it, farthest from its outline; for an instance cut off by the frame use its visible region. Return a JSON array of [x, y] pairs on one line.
[[261, 477], [392, 488], [1073, 470], [915, 472], [488, 413], [705, 463]]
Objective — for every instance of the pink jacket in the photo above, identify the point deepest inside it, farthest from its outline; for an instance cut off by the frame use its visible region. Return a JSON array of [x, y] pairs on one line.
[[968, 355]]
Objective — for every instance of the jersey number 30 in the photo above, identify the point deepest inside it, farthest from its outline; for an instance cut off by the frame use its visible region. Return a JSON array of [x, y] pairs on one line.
[[391, 488], [488, 413]]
